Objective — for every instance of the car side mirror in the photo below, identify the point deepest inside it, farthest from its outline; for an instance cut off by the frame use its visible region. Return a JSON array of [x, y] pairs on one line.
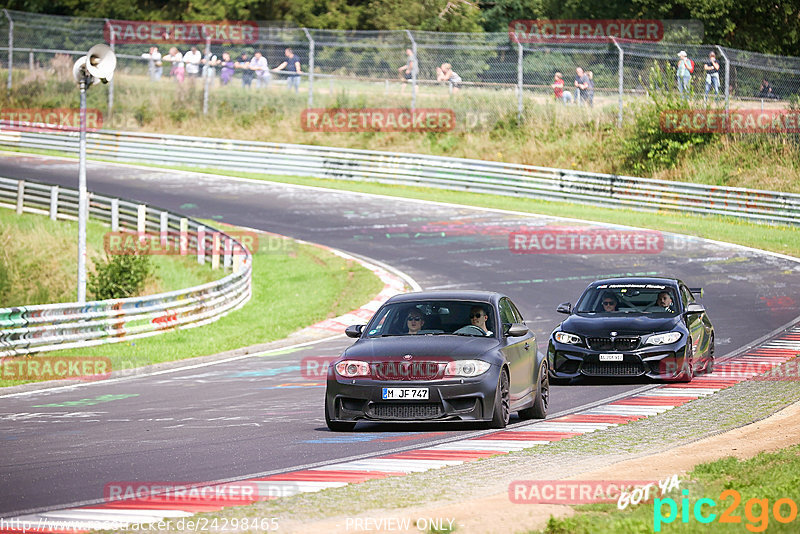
[[517, 330], [694, 308], [566, 307], [354, 330]]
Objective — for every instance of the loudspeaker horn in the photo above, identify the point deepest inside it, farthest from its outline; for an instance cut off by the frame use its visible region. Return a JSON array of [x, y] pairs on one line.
[[101, 62]]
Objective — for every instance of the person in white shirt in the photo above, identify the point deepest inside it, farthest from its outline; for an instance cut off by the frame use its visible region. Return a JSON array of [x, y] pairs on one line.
[[154, 64], [192, 59], [259, 64]]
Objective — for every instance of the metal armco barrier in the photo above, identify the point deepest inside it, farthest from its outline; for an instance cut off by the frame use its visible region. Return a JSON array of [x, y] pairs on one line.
[[31, 329], [430, 171]]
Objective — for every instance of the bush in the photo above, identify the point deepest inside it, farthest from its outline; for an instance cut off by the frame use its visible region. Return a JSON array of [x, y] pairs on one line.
[[647, 148], [120, 276]]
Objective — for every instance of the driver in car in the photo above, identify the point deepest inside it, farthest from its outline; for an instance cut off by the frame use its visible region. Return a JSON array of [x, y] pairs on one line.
[[414, 321], [609, 302], [478, 317]]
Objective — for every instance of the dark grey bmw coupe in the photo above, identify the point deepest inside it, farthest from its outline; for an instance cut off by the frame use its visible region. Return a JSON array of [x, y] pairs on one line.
[[631, 327], [439, 356]]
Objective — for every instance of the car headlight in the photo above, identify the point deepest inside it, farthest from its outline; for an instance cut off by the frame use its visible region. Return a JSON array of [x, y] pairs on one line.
[[663, 339], [467, 368], [352, 368], [566, 337]]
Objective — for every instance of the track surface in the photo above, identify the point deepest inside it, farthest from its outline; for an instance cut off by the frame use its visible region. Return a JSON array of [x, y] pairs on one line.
[[259, 414]]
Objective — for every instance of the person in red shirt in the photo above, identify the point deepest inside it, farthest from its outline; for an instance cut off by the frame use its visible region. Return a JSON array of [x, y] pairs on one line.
[[558, 89]]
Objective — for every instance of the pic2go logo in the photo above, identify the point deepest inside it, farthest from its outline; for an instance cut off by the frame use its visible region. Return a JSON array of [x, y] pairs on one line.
[[783, 511]]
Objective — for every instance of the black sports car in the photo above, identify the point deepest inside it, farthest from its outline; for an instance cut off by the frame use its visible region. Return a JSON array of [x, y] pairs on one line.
[[633, 327], [439, 356]]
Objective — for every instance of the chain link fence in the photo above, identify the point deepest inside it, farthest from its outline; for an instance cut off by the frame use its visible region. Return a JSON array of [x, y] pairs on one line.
[[482, 77]]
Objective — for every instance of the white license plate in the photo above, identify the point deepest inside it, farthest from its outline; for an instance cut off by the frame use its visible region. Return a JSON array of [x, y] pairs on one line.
[[404, 394], [611, 357]]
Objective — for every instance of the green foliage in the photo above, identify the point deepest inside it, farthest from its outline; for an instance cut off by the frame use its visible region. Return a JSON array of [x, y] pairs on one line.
[[120, 276], [647, 147]]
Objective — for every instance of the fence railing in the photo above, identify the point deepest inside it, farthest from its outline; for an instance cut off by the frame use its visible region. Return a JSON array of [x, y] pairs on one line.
[[429, 171], [31, 329], [497, 73]]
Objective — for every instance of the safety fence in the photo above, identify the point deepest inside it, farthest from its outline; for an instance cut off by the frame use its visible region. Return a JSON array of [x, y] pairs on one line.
[[458, 174], [32, 329], [498, 74]]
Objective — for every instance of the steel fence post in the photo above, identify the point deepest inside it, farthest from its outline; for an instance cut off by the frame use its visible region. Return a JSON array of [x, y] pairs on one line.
[[111, 81], [206, 75], [20, 196], [114, 214], [727, 78], [519, 82], [310, 68], [10, 46], [620, 72], [414, 71], [54, 202]]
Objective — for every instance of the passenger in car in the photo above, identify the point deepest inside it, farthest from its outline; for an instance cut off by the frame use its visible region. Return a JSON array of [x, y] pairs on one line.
[[478, 317], [663, 302]]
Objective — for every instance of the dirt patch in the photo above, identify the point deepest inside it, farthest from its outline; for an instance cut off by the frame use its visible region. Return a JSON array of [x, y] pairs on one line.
[[497, 514]]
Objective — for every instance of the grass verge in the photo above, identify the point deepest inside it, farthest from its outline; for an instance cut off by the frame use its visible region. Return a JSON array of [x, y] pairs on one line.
[[293, 286], [39, 261], [753, 487]]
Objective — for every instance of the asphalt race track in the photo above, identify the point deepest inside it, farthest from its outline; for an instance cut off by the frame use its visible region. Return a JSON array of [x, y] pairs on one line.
[[259, 414]]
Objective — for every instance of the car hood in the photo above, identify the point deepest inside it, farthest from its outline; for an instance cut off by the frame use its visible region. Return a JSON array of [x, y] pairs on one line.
[[602, 325], [444, 346]]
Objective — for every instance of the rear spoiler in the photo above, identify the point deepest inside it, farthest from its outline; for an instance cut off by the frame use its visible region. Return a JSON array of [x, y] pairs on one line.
[[697, 291]]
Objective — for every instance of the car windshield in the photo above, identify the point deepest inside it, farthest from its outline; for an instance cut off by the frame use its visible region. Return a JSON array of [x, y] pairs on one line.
[[433, 317], [629, 298]]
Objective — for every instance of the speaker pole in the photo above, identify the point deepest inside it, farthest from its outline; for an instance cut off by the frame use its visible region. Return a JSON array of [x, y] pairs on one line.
[[82, 198]]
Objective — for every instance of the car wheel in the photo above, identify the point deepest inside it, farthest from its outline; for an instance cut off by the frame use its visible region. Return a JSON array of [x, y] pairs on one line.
[[539, 408], [337, 426], [688, 364], [708, 368], [502, 402]]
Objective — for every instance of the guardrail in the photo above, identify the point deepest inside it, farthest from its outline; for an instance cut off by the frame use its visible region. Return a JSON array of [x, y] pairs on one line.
[[31, 329], [430, 171]]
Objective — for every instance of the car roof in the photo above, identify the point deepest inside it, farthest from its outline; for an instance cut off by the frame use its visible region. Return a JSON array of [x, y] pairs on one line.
[[463, 294], [636, 280]]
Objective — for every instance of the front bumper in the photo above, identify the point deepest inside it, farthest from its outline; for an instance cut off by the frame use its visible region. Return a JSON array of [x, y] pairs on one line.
[[452, 399], [664, 362]]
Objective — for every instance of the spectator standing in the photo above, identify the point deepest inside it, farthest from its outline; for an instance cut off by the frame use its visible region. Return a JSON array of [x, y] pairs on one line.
[[292, 66], [445, 73], [712, 74], [261, 69], [581, 85], [410, 69], [154, 64], [227, 68], [247, 71], [558, 89], [210, 62], [192, 59], [685, 68], [590, 88], [178, 68]]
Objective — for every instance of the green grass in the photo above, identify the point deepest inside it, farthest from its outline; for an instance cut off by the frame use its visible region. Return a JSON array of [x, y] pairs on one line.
[[39, 261], [768, 476], [550, 135], [293, 287]]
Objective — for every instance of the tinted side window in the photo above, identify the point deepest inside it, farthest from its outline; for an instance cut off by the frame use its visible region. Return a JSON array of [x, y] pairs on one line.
[[517, 315], [506, 314], [686, 296]]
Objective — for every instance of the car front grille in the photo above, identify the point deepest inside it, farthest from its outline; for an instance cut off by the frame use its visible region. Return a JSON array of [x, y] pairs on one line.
[[616, 343], [417, 370], [406, 411], [612, 369]]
